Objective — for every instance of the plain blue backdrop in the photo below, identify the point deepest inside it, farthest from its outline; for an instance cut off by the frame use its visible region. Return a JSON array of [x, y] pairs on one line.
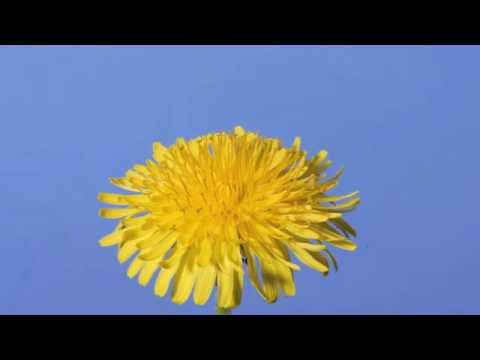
[[404, 120]]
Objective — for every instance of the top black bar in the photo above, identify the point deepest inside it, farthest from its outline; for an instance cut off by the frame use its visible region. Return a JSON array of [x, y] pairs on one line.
[[315, 28]]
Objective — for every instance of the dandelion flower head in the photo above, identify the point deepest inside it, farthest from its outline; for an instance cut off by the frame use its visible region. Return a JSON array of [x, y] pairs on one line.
[[224, 207]]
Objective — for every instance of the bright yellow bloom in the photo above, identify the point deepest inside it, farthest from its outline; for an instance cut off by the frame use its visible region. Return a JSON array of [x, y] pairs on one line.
[[211, 208]]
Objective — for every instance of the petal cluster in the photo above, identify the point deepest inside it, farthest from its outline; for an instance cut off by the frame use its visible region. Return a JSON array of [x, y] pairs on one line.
[[205, 211]]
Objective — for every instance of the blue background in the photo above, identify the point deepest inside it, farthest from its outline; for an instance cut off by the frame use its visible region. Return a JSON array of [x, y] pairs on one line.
[[403, 120]]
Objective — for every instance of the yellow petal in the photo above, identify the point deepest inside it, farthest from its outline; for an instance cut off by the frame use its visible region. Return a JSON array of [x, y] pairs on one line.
[[183, 283], [159, 251], [205, 253], [296, 144], [174, 258], [236, 261], [313, 217], [345, 226], [114, 199], [135, 266], [239, 131], [321, 259], [141, 169], [126, 251], [181, 142], [115, 213], [233, 257], [252, 270], [137, 235], [225, 295], [187, 232], [347, 206], [324, 166], [136, 220], [302, 232], [310, 246], [319, 158], [134, 176], [123, 184], [231, 232], [204, 284], [270, 285], [168, 219], [332, 259], [153, 167], [285, 279], [334, 215], [147, 272], [163, 280], [237, 287], [158, 151], [307, 258], [278, 158], [337, 198], [156, 239], [281, 255], [332, 182], [288, 264], [343, 243], [111, 239]]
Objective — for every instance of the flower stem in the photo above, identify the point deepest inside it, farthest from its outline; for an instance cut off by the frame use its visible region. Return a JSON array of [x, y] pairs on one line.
[[223, 311]]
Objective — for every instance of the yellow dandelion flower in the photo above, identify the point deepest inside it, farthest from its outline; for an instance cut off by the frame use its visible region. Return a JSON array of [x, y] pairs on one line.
[[209, 209]]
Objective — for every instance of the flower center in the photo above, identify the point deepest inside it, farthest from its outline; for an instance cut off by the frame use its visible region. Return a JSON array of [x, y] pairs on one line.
[[224, 201]]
